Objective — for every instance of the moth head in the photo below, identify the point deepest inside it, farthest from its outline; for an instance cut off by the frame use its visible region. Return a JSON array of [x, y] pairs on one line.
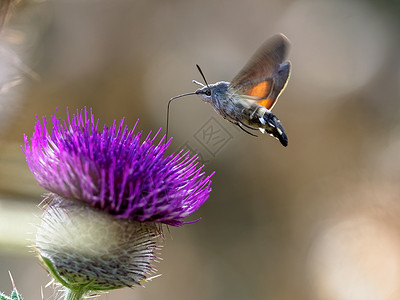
[[208, 93]]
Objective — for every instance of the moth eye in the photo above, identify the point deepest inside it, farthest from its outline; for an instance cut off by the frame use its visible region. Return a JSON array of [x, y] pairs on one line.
[[208, 92]]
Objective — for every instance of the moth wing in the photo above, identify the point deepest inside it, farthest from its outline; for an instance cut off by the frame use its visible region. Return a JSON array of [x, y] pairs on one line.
[[265, 75], [278, 85]]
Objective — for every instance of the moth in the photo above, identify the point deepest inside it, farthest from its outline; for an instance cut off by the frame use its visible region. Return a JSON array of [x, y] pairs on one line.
[[248, 99]]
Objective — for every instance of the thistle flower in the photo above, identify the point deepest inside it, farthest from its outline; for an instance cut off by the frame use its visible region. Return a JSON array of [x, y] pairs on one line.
[[110, 193]]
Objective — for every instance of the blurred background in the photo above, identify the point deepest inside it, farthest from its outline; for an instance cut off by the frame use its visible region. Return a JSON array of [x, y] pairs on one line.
[[319, 219]]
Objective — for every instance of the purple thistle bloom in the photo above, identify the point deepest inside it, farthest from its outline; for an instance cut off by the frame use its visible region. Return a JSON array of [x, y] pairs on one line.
[[112, 170]]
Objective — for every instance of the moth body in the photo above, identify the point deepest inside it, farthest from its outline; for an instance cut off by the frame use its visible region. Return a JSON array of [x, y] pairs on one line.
[[248, 99], [242, 111]]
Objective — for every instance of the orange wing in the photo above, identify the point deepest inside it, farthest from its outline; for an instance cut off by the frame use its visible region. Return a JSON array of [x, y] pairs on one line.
[[265, 75], [262, 91], [267, 92]]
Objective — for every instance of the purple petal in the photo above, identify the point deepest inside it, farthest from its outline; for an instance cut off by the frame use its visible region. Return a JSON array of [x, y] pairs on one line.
[[113, 170]]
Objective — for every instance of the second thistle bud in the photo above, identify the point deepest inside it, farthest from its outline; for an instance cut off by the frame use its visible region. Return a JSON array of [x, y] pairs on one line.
[[87, 249]]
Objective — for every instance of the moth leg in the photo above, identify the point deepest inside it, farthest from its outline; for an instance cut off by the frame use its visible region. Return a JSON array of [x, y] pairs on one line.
[[247, 126], [240, 124]]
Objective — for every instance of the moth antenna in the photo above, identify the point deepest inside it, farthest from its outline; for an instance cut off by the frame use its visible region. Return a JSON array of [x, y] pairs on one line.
[[215, 99], [169, 103], [202, 75], [198, 83]]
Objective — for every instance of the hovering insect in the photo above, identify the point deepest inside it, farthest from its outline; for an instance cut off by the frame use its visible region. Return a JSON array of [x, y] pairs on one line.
[[247, 101]]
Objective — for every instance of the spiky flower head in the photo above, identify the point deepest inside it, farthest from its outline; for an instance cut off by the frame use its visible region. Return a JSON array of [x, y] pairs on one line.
[[110, 193], [113, 170]]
